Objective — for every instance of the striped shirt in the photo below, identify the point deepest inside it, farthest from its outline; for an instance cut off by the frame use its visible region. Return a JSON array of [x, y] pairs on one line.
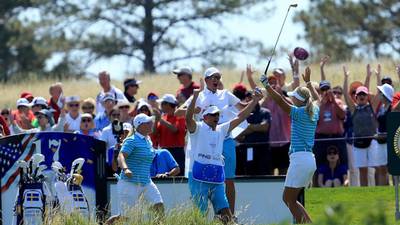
[[303, 129], [140, 157]]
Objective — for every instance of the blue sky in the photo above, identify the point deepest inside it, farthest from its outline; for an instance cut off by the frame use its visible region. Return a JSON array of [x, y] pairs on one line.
[[265, 30]]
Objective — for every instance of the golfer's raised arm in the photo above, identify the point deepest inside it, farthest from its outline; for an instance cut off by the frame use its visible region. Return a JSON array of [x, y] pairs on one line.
[[190, 122], [257, 96], [275, 95]]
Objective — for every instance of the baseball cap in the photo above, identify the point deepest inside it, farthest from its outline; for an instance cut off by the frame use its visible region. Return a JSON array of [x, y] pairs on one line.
[[211, 110], [45, 112], [152, 96], [108, 96], [296, 95], [23, 102], [278, 71], [362, 89], [39, 101], [143, 103], [123, 102], [183, 70], [211, 71], [86, 115], [127, 126], [132, 82], [141, 119], [26, 94], [169, 98], [70, 99], [387, 90], [324, 84]]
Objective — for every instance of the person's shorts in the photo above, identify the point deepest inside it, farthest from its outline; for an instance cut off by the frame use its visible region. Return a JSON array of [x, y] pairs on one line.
[[301, 169], [373, 156], [201, 192], [129, 194], [229, 153]]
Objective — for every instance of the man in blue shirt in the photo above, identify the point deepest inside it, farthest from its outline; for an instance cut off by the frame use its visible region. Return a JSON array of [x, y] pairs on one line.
[[102, 119], [164, 165]]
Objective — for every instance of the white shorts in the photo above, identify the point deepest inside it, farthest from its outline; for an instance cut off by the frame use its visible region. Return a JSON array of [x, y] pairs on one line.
[[129, 194], [373, 156], [301, 169]]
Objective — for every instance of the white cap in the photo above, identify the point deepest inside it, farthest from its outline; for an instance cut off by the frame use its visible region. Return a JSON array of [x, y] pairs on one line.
[[108, 96], [143, 103], [296, 95], [123, 102], [168, 98], [211, 110], [387, 90], [127, 126], [23, 102], [211, 71], [140, 119], [39, 101], [183, 70], [70, 99]]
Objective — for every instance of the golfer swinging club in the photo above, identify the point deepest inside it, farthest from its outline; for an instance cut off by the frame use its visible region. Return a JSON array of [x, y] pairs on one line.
[[206, 169], [304, 116]]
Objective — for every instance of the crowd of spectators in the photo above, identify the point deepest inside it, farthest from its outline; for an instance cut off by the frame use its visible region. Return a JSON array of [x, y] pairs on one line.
[[350, 135]]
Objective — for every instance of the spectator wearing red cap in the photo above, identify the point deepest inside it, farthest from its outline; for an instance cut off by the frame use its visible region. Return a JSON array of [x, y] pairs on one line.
[[27, 95], [5, 113], [23, 116], [365, 151], [171, 130], [56, 101], [184, 75]]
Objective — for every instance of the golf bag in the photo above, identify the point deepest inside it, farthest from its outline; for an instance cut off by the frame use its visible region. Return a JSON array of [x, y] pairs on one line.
[[68, 190]]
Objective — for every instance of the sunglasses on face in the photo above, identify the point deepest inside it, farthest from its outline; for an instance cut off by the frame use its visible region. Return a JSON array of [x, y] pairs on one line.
[[332, 153], [40, 117], [124, 107], [214, 115], [86, 120], [114, 115], [215, 77], [87, 107], [5, 114], [73, 105], [337, 92], [324, 89]]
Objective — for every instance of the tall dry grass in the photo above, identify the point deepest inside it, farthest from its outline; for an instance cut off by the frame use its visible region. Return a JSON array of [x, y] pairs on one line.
[[167, 83]]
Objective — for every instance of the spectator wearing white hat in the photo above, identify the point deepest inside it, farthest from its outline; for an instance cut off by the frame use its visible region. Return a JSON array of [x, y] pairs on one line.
[[102, 118], [170, 129], [185, 75], [131, 86], [227, 103], [385, 94], [135, 159], [45, 121], [87, 126], [107, 88], [73, 117], [38, 103], [23, 116]]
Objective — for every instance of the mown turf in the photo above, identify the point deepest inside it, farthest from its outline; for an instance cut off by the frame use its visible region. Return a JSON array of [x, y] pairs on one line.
[[355, 205]]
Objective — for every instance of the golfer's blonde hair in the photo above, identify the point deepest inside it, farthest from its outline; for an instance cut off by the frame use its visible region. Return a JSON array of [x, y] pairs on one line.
[[306, 94]]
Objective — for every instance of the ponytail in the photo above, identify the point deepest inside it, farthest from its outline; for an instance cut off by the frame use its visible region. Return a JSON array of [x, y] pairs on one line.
[[310, 108]]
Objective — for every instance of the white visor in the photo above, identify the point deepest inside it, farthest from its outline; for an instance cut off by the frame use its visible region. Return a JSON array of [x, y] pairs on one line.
[[296, 95]]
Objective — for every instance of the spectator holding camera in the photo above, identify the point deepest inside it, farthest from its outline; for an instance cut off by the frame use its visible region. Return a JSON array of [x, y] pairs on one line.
[[113, 151], [333, 173]]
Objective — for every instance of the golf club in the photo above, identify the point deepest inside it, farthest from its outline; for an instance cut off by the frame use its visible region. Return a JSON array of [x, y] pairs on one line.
[[24, 169], [279, 35], [77, 165]]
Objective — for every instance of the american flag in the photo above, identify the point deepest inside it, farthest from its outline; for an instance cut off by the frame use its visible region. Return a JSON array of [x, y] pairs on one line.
[[13, 149]]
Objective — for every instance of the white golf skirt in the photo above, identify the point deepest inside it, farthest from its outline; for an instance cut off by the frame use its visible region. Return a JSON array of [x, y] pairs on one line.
[[301, 169]]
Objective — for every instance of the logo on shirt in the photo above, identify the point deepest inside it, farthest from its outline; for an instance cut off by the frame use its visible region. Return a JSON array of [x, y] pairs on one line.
[[397, 142]]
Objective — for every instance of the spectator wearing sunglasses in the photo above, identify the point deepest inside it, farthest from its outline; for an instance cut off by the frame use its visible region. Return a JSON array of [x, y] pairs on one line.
[[38, 103], [332, 173], [89, 106], [102, 119], [131, 86], [45, 121], [185, 76], [4, 121], [87, 126], [73, 117], [124, 107]]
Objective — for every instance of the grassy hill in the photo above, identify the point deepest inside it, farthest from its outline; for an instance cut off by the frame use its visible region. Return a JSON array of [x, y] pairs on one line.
[[168, 83]]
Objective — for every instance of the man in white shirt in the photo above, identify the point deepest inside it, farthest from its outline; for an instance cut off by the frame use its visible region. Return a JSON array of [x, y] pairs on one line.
[[206, 164], [73, 117], [228, 104], [105, 83]]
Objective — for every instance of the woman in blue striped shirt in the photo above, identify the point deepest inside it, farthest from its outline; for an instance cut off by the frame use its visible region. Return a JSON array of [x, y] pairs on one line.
[[304, 116]]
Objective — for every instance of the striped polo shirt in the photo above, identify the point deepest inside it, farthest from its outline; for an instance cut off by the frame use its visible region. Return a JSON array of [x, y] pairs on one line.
[[303, 129], [140, 157]]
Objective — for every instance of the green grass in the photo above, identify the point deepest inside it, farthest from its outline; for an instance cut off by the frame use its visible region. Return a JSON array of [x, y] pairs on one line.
[[353, 205]]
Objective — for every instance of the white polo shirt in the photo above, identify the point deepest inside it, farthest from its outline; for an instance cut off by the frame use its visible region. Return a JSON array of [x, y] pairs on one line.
[[117, 93], [73, 124], [207, 144], [223, 99], [108, 137]]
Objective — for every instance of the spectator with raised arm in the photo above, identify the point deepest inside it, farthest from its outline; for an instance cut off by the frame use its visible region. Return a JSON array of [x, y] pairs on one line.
[[364, 128], [56, 101], [45, 121]]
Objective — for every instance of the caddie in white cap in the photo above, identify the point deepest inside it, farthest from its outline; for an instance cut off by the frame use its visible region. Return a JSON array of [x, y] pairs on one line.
[[206, 170]]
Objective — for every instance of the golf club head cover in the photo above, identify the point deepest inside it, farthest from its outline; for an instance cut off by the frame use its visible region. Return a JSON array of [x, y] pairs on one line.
[[264, 80], [300, 53]]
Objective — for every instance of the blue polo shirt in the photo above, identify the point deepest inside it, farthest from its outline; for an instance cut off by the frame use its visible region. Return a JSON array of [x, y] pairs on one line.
[[101, 121], [140, 157], [302, 129], [163, 162]]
